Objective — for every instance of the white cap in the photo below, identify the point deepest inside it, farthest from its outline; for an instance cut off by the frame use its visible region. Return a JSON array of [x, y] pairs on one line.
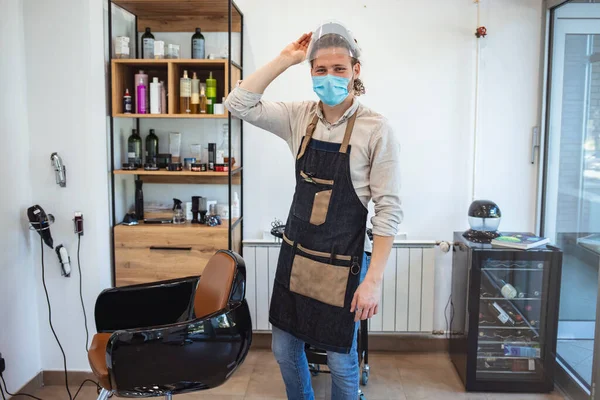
[[155, 80]]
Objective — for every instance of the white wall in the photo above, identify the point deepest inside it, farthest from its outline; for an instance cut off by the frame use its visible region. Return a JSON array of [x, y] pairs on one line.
[[419, 71], [67, 114], [19, 332]]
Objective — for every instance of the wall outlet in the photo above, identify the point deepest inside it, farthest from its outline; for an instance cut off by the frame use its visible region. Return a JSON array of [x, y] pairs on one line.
[[78, 222], [2, 364]]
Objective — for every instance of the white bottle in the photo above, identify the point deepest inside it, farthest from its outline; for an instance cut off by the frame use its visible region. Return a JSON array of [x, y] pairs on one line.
[[235, 206], [155, 96]]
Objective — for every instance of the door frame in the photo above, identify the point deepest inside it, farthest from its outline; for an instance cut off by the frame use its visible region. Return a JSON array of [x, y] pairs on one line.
[[555, 24]]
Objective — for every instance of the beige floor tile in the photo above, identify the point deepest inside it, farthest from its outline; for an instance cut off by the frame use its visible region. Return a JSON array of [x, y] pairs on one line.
[[420, 360], [236, 385], [205, 395], [434, 384], [255, 355], [56, 392], [266, 383], [384, 382], [518, 396], [265, 358], [322, 385]]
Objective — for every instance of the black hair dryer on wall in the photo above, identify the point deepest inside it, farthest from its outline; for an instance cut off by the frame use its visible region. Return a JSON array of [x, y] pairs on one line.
[[40, 222]]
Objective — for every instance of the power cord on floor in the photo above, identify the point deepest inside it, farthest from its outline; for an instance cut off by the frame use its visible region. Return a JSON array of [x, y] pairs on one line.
[[13, 394], [37, 398], [50, 322], [83, 383], [87, 333]]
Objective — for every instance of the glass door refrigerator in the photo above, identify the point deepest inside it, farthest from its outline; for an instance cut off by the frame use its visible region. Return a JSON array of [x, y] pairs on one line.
[[504, 316]]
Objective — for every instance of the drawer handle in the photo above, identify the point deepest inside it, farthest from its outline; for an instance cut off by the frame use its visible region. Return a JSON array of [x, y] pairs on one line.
[[170, 248]]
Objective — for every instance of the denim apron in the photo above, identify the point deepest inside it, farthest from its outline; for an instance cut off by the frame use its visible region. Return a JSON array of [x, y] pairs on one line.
[[321, 254]]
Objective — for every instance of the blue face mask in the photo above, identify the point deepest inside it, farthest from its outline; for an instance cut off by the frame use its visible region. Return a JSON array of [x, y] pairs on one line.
[[332, 90]]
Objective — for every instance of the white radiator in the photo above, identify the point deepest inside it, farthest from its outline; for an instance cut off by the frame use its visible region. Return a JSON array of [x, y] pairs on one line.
[[407, 296]]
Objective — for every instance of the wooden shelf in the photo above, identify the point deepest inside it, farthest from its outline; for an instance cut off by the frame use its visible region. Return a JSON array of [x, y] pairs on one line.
[[174, 173], [188, 226], [182, 16], [170, 72], [163, 8], [166, 61], [182, 116], [185, 177]]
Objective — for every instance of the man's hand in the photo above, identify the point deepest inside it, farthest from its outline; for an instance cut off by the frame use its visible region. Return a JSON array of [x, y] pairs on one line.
[[366, 299], [295, 52]]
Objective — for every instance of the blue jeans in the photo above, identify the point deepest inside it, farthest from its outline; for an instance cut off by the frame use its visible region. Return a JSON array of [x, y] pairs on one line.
[[289, 353]]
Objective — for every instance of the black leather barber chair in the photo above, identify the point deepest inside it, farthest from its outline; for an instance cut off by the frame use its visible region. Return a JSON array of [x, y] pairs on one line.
[[172, 337]]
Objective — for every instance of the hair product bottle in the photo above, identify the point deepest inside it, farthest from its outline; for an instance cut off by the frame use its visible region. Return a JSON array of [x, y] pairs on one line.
[[163, 98], [134, 149], [198, 45], [147, 45], [185, 94], [195, 94], [151, 147], [155, 96], [203, 98], [127, 102], [136, 79], [141, 95], [211, 94], [139, 199]]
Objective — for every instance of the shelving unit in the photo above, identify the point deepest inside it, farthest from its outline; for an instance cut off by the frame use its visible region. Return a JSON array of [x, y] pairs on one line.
[[150, 252]]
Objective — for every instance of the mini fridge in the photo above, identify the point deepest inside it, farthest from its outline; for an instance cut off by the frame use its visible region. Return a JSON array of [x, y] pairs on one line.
[[503, 316]]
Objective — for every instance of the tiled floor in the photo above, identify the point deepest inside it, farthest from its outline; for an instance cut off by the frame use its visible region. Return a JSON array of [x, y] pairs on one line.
[[400, 377]]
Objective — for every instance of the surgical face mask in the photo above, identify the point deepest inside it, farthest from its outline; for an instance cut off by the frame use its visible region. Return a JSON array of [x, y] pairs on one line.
[[331, 89]]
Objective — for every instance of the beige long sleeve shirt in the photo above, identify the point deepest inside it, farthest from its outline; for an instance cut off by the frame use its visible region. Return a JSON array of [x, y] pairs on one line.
[[374, 158]]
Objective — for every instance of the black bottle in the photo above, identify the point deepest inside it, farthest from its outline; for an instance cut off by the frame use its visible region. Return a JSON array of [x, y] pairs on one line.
[[139, 200], [134, 149], [147, 44], [151, 147], [198, 45]]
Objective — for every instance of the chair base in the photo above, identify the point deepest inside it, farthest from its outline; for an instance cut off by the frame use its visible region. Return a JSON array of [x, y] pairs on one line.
[[105, 394]]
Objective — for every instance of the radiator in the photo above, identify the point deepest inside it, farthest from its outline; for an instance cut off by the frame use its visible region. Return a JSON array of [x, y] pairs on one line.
[[407, 295]]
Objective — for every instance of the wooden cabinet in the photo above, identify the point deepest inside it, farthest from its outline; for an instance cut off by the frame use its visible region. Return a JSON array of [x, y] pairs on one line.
[[150, 253]]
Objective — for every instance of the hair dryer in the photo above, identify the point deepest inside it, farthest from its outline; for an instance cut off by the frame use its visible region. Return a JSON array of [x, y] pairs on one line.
[[41, 223]]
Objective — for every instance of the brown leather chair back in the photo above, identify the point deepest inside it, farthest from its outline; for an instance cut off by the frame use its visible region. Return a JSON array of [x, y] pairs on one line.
[[215, 285]]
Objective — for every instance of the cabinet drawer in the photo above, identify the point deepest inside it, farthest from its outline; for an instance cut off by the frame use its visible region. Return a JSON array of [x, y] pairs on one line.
[[153, 253]]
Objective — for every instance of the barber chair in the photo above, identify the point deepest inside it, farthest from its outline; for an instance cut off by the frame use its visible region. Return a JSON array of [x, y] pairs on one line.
[[175, 336]]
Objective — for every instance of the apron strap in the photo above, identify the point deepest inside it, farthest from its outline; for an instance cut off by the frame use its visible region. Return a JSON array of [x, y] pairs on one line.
[[309, 132], [313, 125], [349, 128]]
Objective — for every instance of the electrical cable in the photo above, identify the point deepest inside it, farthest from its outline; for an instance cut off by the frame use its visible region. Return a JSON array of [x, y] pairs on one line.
[[13, 394], [83, 383], [2, 393], [50, 322], [87, 333]]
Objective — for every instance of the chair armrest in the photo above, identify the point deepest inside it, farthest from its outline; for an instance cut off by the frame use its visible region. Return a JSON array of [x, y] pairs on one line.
[[183, 357], [153, 304]]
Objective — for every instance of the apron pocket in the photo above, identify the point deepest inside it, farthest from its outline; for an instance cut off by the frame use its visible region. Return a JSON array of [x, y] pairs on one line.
[[323, 282], [312, 198], [320, 207]]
